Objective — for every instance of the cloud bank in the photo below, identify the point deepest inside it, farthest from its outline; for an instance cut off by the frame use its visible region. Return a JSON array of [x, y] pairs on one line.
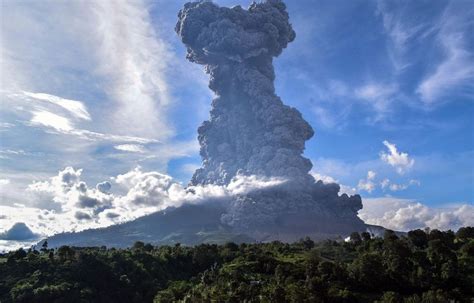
[[404, 214], [74, 206]]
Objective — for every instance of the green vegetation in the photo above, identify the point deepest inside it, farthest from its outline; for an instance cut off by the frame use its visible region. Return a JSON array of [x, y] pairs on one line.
[[421, 267]]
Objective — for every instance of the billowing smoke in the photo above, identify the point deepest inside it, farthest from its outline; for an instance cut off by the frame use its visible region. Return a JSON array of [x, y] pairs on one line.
[[250, 130]]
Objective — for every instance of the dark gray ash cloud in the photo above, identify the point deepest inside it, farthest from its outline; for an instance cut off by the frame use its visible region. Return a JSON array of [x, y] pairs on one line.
[[250, 130]]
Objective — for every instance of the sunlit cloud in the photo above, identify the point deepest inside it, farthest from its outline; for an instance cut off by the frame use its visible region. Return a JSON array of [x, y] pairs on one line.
[[399, 160], [48, 119], [76, 108], [405, 214], [133, 148]]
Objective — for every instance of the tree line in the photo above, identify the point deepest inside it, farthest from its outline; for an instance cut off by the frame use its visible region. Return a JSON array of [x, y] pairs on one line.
[[422, 266]]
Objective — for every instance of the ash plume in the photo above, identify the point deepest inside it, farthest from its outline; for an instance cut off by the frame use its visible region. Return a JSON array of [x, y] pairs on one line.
[[250, 130]]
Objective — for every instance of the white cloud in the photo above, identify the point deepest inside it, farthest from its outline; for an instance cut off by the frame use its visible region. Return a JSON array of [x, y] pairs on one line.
[[134, 148], [106, 49], [404, 214], [65, 126], [69, 192], [154, 188], [76, 108], [49, 119], [73, 206], [398, 187], [4, 182], [454, 73], [379, 96], [324, 178], [399, 160], [135, 61], [110, 84], [367, 184], [387, 184], [446, 33], [399, 31]]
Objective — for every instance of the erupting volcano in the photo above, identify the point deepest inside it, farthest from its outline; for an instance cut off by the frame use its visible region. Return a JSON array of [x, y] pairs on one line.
[[250, 130]]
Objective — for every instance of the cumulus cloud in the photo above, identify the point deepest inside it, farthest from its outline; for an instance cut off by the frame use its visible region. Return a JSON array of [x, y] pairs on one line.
[[80, 207], [404, 215], [69, 192], [399, 160], [154, 188], [367, 184]]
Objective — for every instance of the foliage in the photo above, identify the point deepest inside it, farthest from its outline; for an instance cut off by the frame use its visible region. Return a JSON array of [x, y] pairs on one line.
[[422, 266]]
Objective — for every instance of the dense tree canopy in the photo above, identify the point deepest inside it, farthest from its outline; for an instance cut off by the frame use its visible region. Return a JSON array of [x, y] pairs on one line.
[[424, 266]]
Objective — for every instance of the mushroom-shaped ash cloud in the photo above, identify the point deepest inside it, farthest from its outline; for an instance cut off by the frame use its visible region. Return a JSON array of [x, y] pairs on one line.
[[250, 130]]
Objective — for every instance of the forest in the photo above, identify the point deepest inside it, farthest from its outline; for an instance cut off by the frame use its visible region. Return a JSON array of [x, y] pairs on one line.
[[421, 266]]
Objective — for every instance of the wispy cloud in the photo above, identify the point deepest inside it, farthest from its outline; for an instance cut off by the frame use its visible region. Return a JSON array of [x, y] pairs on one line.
[[377, 95], [134, 61], [446, 32], [65, 126], [455, 72], [134, 148], [48, 119], [387, 184], [76, 108], [400, 32]]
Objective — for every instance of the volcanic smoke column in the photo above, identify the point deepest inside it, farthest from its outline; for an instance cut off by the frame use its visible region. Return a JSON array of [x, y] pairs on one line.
[[250, 130]]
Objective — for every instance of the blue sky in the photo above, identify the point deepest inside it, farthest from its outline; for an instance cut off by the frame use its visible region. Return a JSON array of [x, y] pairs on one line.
[[388, 87]]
